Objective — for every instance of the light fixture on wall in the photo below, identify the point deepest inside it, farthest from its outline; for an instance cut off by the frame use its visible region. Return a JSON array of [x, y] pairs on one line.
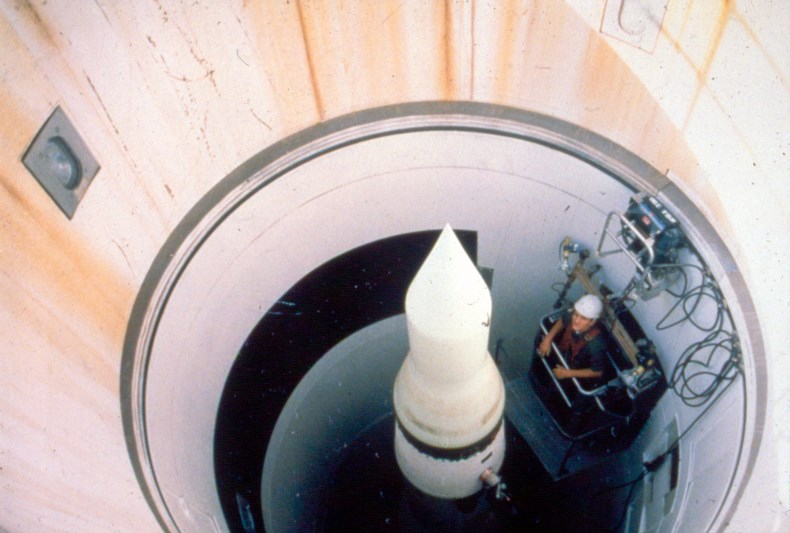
[[61, 162]]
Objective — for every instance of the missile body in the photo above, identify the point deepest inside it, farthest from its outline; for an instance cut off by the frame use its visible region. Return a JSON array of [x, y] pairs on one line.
[[448, 395]]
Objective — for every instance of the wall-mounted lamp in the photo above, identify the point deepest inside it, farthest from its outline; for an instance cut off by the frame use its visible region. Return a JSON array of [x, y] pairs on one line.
[[61, 162]]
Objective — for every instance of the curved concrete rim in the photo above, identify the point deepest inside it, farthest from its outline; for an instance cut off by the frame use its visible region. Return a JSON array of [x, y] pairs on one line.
[[276, 161]]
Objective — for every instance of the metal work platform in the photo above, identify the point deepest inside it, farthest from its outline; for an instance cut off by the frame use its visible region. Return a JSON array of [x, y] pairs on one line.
[[560, 454]]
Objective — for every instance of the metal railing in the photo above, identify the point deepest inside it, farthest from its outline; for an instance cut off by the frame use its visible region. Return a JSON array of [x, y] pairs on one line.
[[594, 393], [643, 255]]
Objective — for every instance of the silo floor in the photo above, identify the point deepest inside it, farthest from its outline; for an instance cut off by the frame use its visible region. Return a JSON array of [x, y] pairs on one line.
[[368, 493]]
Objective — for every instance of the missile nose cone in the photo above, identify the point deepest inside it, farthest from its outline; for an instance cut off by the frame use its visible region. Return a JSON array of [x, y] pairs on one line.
[[448, 304]]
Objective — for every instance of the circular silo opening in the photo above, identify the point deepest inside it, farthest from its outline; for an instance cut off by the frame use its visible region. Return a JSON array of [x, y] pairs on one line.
[[529, 181]]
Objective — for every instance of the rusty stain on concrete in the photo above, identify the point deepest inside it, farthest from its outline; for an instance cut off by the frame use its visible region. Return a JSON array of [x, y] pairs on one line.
[[101, 10], [473, 43], [68, 332], [118, 137], [754, 38], [448, 58], [58, 265], [162, 11], [703, 69], [319, 105], [503, 70], [26, 6]]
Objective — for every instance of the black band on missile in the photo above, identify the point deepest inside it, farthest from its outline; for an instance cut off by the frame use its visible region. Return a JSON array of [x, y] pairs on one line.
[[451, 454]]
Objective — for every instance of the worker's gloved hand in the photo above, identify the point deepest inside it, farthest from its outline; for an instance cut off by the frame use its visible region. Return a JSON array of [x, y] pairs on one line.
[[544, 347]]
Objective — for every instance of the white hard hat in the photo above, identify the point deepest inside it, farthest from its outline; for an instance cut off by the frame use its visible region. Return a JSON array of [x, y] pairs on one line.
[[589, 306]]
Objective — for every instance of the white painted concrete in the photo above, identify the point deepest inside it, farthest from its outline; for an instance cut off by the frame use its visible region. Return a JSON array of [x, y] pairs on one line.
[[171, 97]]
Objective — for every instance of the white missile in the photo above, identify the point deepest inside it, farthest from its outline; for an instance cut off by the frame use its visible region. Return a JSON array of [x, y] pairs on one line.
[[448, 395]]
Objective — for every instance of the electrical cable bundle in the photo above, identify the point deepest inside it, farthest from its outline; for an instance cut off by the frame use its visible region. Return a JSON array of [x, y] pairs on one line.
[[652, 466], [707, 363], [702, 367], [694, 378], [688, 300]]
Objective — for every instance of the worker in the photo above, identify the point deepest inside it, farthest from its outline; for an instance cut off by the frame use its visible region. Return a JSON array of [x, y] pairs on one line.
[[578, 338]]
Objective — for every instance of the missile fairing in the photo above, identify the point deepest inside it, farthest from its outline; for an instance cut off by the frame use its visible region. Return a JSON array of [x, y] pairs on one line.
[[448, 395]]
